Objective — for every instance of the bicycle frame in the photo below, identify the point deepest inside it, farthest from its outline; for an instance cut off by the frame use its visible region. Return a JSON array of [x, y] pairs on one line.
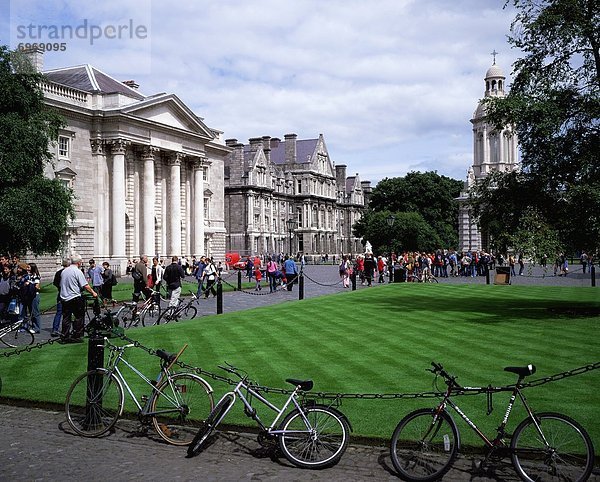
[[116, 357], [498, 441], [251, 411]]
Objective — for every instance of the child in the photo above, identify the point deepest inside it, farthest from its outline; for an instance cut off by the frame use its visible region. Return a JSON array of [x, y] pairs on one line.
[[258, 277]]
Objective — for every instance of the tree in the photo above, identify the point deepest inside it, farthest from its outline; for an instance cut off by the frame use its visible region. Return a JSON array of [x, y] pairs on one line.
[[427, 193], [409, 232], [34, 210], [554, 104]]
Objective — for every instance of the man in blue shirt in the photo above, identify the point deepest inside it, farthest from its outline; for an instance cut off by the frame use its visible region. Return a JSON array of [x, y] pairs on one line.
[[290, 272]]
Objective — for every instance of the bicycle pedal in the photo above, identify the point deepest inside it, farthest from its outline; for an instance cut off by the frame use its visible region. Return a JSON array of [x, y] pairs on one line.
[[166, 430]]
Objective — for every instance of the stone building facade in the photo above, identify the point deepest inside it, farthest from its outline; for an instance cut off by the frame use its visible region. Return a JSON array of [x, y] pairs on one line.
[[146, 171], [289, 197], [493, 150]]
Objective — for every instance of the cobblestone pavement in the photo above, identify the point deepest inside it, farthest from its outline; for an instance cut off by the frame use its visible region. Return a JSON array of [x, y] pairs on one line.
[[37, 444]]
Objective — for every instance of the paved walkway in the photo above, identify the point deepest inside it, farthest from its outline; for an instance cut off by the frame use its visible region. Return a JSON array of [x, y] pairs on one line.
[[38, 445]]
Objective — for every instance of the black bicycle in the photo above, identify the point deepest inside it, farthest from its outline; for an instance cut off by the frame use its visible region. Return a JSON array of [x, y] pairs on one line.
[[545, 446]]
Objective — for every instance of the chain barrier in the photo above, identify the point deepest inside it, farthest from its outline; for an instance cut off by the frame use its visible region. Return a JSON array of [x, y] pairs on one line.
[[281, 287], [373, 396], [318, 283], [28, 348]]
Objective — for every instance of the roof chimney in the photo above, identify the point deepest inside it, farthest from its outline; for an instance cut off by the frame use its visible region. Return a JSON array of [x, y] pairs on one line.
[[290, 147], [35, 55]]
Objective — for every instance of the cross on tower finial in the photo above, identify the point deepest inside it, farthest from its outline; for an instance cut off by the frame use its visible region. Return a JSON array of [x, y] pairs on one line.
[[494, 53]]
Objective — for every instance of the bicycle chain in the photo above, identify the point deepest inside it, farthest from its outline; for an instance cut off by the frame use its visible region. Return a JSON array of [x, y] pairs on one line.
[[375, 396]]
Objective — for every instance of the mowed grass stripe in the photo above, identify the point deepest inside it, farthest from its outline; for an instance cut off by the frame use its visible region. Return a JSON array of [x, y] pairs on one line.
[[377, 340]]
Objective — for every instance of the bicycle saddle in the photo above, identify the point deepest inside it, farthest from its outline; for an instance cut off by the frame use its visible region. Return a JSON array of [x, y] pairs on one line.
[[305, 385], [168, 357], [521, 371]]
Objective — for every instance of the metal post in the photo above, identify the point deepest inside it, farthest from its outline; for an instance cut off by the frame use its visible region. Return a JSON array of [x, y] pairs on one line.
[[593, 274], [219, 297], [353, 279], [301, 286], [487, 274], [95, 358], [239, 280]]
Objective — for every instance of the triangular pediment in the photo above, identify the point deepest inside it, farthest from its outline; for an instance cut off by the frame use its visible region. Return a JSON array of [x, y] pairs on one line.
[[320, 160], [169, 110], [65, 172]]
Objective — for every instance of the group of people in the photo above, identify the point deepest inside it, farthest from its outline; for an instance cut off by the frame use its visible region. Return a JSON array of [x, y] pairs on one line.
[[280, 270], [20, 286]]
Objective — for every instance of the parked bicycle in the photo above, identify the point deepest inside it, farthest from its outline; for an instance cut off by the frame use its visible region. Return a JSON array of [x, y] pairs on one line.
[[310, 436], [132, 313], [545, 446], [424, 277], [185, 310], [177, 405], [15, 334]]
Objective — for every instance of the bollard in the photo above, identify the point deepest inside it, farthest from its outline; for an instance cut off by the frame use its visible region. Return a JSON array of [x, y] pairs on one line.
[[95, 359], [301, 286], [593, 274], [219, 297], [487, 274], [353, 279], [239, 280]]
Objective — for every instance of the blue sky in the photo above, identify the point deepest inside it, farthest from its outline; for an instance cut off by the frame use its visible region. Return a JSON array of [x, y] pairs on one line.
[[391, 84]]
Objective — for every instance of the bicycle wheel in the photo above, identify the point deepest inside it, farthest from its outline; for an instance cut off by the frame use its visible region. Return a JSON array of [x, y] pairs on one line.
[[166, 315], [209, 425], [180, 406], [94, 402], [150, 315], [189, 313], [424, 446], [431, 279], [564, 452], [17, 337], [126, 316], [413, 279], [319, 446]]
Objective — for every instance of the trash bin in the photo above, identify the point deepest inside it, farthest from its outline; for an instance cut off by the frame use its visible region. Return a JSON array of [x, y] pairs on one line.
[[399, 273], [502, 276]]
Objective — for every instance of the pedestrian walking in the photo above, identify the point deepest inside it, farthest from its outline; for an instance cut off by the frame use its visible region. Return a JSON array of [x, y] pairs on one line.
[[173, 275], [72, 281]]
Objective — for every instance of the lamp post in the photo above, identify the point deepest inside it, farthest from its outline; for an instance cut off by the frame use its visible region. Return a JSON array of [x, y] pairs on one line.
[[291, 226], [391, 219]]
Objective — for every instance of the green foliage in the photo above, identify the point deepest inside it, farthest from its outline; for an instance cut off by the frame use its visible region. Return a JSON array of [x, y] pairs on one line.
[[34, 210], [425, 208], [554, 104], [409, 232]]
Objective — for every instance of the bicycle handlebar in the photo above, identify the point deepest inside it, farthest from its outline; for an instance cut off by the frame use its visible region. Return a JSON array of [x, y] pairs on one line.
[[438, 369]]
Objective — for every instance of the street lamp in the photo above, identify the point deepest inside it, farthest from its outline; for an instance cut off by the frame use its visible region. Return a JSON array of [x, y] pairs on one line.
[[291, 226], [391, 219]]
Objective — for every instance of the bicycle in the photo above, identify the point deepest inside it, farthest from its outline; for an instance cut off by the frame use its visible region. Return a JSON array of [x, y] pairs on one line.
[[426, 277], [310, 436], [185, 310], [13, 334], [176, 407], [132, 313], [544, 446]]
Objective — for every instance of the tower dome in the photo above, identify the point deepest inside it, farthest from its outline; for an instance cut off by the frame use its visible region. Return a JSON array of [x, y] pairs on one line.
[[494, 81]]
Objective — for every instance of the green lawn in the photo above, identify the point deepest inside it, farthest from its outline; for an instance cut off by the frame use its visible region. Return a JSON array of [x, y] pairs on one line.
[[375, 341]]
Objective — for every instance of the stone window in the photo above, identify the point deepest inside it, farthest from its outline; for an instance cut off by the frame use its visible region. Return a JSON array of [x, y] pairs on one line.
[[64, 147], [205, 173]]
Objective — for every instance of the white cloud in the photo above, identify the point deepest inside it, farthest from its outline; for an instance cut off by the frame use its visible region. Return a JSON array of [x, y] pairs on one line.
[[391, 84]]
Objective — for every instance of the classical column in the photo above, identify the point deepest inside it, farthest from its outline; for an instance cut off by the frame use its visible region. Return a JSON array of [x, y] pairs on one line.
[[198, 213], [118, 248], [149, 199], [175, 204], [102, 241]]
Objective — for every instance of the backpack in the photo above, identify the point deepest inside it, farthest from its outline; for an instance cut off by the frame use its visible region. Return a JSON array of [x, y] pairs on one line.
[[113, 280], [136, 275]]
